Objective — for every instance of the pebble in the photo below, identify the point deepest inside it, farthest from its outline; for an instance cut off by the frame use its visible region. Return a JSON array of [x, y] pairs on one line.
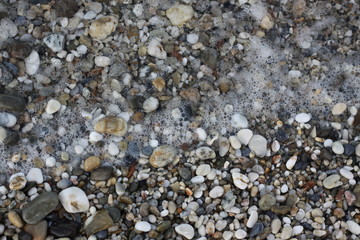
[[155, 49], [338, 109], [102, 27], [3, 134], [55, 42], [353, 227], [281, 209], [203, 170], [91, 163], [224, 146], [258, 145], [50, 162], [275, 226], [102, 61], [15, 219], [63, 183], [346, 173], [216, 192], [291, 162], [266, 202], [204, 153], [163, 156], [179, 14], [62, 228], [150, 104], [185, 230], [244, 136], [40, 207], [332, 181], [252, 219], [357, 150], [163, 226], [32, 63], [337, 147], [102, 173], [297, 230], [256, 230], [303, 117], [74, 200], [240, 180], [239, 121], [192, 38], [7, 120], [197, 180], [98, 222], [112, 125], [7, 28], [38, 231], [286, 232], [52, 106], [240, 234], [17, 181], [143, 226], [235, 142], [12, 103], [35, 175]]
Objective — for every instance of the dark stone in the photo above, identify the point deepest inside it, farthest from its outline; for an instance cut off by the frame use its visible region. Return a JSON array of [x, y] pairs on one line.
[[349, 149], [185, 173], [136, 102], [66, 8], [20, 50], [6, 76], [24, 236], [307, 226], [134, 187], [53, 216], [100, 221], [12, 103], [102, 234], [281, 209], [257, 229], [12, 68], [133, 149], [302, 162], [209, 57], [325, 154], [65, 228], [102, 173], [28, 186], [281, 135], [11, 139], [20, 21], [314, 197], [147, 150], [114, 213], [245, 152], [40, 207], [3, 178], [47, 91], [39, 1]]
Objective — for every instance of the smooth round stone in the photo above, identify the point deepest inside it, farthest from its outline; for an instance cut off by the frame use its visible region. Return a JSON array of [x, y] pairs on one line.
[[52, 106], [224, 146], [346, 173], [17, 181], [40, 207], [297, 230], [338, 109], [102, 27], [244, 136], [163, 156], [258, 145], [221, 225], [185, 230], [63, 183], [7, 120], [201, 134], [143, 226], [234, 142], [112, 125], [240, 234], [252, 219], [332, 181], [38, 231], [203, 170], [185, 173], [337, 147], [253, 176], [197, 179], [328, 143], [91, 163], [240, 180], [50, 162], [256, 230], [179, 14], [32, 63], [349, 149], [35, 175], [101, 173], [150, 104], [204, 153], [303, 117], [12, 103], [275, 226], [266, 202], [192, 38], [353, 227], [216, 192], [227, 235], [102, 61], [15, 219], [74, 200], [286, 232], [239, 121], [291, 162]]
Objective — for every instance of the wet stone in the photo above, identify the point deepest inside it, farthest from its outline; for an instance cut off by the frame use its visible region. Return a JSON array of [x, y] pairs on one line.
[[257, 229], [12, 103], [101, 234], [24, 236], [64, 228], [101, 173], [38, 208], [185, 173], [281, 209], [114, 213], [162, 156], [100, 221], [349, 149], [38, 231]]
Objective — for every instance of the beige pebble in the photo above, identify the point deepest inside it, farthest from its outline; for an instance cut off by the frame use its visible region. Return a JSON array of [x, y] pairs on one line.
[[91, 163], [15, 219]]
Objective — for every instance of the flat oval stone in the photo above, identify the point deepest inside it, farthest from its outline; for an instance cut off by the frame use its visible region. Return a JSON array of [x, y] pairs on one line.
[[143, 226], [101, 173], [353, 227], [162, 156], [112, 125], [7, 119], [258, 145], [185, 230], [302, 117], [37, 209], [332, 181], [266, 202], [64, 228], [12, 103], [205, 153], [337, 147], [97, 222]]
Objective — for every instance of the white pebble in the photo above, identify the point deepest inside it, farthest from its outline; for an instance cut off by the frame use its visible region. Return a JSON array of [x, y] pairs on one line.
[[258, 145], [252, 219], [338, 109], [302, 117], [143, 226], [150, 104], [155, 49], [102, 61], [52, 106], [346, 173], [74, 200], [32, 63], [185, 230], [291, 162], [216, 192], [201, 134], [192, 38], [95, 137], [113, 149], [235, 142], [35, 175], [50, 161], [353, 227], [240, 234], [239, 121], [337, 147], [3, 134], [244, 136]]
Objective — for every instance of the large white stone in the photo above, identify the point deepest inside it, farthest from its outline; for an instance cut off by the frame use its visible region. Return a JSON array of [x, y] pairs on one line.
[[32, 63], [185, 230], [143, 226], [252, 219], [35, 175], [103, 27], [52, 106], [258, 145], [74, 200], [102, 61], [244, 136], [353, 227], [216, 192], [180, 14], [239, 121], [155, 49]]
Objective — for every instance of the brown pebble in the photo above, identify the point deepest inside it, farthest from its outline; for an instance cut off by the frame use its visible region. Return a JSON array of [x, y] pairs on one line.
[[38, 231], [339, 213], [91, 163], [125, 199], [15, 219]]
